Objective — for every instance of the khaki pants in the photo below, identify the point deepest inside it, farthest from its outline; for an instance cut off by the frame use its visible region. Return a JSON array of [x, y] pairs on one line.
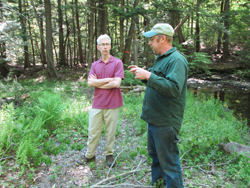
[[97, 117]]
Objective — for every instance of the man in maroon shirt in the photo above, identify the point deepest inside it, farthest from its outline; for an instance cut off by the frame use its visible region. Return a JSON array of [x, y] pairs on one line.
[[105, 75]]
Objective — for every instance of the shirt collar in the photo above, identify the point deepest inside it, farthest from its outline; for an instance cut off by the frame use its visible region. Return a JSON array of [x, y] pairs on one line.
[[167, 53], [111, 59]]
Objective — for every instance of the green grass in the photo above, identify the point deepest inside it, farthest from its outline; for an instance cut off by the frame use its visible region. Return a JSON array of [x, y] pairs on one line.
[[58, 112]]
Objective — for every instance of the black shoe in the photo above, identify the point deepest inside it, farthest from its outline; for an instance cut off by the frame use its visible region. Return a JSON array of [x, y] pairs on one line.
[[85, 160], [110, 161]]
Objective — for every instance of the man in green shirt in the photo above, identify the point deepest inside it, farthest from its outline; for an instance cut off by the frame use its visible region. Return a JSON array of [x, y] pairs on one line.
[[164, 104]]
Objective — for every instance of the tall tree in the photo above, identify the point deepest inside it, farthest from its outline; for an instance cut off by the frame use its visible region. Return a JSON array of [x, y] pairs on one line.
[[226, 36], [3, 70], [78, 32], [40, 24], [31, 39], [122, 30], [103, 15], [74, 33], [24, 34], [61, 38], [91, 33], [126, 55], [220, 31], [176, 20], [49, 50], [197, 29]]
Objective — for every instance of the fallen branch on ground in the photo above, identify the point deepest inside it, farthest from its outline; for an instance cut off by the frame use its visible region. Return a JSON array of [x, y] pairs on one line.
[[113, 177]]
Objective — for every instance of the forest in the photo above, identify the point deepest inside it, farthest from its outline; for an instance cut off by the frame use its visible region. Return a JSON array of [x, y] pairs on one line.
[[47, 48], [56, 34]]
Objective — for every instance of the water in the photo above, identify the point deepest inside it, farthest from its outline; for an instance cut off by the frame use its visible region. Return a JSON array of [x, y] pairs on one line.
[[235, 98]]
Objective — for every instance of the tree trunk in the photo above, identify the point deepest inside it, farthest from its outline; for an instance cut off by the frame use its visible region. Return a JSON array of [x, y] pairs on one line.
[[103, 16], [226, 36], [3, 70], [122, 31], [51, 71], [135, 48], [74, 33], [24, 35], [43, 56], [57, 61], [78, 33], [67, 35], [126, 55], [176, 21], [220, 31], [61, 38], [32, 43], [91, 33], [197, 30], [96, 31]]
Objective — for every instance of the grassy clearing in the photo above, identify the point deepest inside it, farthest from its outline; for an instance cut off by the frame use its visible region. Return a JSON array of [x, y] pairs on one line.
[[53, 124]]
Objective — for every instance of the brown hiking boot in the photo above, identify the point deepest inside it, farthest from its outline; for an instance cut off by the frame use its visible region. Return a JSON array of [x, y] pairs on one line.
[[85, 160], [110, 161]]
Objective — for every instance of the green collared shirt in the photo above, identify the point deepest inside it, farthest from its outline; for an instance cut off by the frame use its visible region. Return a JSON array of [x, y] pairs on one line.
[[165, 95]]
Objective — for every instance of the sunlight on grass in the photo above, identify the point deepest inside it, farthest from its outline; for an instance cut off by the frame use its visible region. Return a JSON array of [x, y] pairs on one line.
[[58, 112]]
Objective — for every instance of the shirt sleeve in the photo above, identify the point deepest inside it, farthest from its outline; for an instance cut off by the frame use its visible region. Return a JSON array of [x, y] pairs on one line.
[[92, 70], [171, 83], [119, 70]]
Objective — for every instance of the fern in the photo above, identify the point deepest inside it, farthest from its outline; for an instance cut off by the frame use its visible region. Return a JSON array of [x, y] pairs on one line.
[[50, 109], [7, 126]]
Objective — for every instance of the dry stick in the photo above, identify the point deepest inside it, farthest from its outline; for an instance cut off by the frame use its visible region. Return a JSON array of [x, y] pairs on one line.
[[210, 165], [7, 148], [114, 161], [137, 169], [199, 184], [113, 177], [208, 172], [125, 185], [113, 182], [185, 153]]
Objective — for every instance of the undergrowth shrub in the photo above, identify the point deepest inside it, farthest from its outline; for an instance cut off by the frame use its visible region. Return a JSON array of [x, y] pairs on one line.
[[129, 79], [198, 63], [24, 129], [50, 108], [206, 126]]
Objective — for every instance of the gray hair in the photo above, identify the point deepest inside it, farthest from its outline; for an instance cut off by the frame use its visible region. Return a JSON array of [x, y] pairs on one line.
[[105, 36]]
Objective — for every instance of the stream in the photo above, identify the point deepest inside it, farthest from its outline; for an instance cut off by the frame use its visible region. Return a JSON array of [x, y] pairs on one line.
[[233, 94]]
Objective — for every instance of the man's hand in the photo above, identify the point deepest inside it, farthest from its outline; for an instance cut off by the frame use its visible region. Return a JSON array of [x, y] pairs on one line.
[[94, 82], [106, 80], [139, 73], [93, 76]]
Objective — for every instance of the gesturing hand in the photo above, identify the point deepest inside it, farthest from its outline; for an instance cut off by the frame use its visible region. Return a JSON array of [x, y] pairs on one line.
[[139, 73]]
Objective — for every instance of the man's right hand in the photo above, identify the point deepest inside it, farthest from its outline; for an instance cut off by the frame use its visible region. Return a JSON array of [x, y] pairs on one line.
[[133, 68]]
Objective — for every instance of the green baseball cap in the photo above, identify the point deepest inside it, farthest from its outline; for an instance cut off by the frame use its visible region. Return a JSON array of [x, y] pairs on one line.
[[160, 28]]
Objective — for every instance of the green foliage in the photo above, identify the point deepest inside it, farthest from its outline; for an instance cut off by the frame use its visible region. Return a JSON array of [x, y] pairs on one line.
[[129, 79], [50, 108], [242, 73], [205, 126], [198, 62], [26, 128]]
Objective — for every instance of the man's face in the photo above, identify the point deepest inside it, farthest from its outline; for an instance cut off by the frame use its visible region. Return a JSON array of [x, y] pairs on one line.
[[104, 47], [154, 42]]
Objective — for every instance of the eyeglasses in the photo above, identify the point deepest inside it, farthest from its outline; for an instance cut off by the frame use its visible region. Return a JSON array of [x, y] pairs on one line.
[[104, 44], [153, 38]]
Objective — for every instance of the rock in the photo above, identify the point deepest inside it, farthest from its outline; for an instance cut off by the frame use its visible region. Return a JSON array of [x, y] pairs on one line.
[[238, 148]]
